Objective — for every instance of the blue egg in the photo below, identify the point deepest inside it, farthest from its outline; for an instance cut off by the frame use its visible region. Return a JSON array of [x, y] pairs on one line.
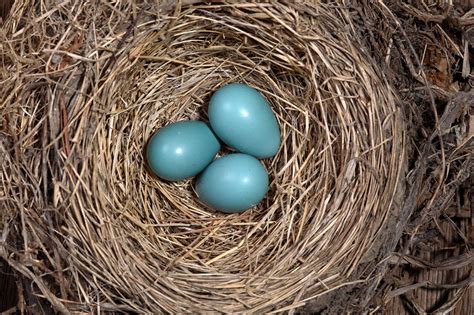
[[181, 150], [241, 117], [233, 183]]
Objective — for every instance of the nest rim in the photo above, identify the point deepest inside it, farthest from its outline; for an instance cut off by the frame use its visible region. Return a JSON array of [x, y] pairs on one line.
[[176, 272]]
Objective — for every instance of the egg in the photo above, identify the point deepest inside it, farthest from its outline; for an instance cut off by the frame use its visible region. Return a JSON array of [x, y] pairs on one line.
[[233, 183], [242, 118], [181, 150]]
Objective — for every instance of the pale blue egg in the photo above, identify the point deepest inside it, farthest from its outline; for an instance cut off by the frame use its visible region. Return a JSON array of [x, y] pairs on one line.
[[242, 118], [233, 183], [181, 150]]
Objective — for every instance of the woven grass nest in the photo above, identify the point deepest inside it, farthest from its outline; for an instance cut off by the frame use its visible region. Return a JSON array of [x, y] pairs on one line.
[[86, 86]]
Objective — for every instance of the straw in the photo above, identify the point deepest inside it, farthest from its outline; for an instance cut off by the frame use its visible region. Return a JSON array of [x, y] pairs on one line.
[[85, 86]]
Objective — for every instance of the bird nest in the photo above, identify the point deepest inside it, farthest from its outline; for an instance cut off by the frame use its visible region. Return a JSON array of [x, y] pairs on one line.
[[85, 88]]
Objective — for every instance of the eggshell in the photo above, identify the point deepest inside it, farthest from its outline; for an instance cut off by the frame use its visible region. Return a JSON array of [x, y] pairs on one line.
[[242, 118], [233, 183], [181, 150]]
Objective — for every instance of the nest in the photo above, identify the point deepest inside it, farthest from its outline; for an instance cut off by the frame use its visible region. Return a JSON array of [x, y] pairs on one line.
[[85, 88]]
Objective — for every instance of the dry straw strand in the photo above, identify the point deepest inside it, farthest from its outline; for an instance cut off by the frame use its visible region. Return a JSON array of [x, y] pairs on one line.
[[85, 85]]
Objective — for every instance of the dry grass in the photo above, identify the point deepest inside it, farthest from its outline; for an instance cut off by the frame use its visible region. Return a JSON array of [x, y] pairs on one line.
[[84, 87]]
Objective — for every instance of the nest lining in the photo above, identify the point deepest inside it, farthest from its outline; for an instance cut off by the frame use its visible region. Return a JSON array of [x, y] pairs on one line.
[[133, 242]]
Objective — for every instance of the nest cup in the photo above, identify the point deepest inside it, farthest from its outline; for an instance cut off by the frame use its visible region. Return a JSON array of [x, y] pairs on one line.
[[128, 241]]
